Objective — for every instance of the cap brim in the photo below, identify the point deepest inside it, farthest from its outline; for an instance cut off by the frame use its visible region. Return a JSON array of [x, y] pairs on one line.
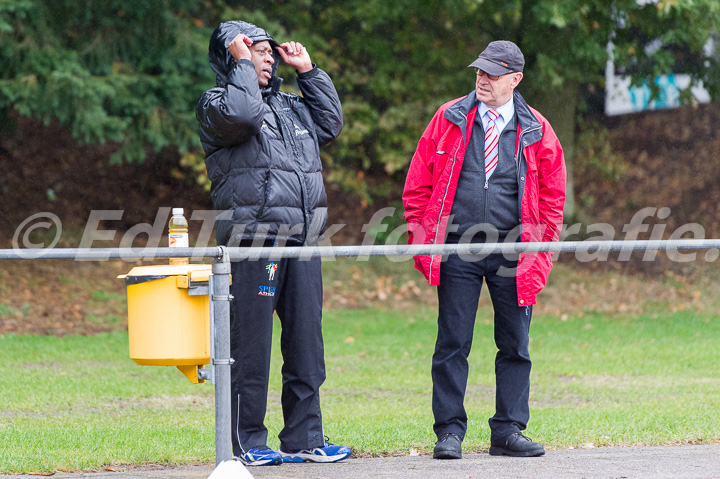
[[489, 67]]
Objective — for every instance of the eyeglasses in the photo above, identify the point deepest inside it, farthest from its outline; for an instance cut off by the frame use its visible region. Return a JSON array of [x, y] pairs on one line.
[[480, 73], [264, 51]]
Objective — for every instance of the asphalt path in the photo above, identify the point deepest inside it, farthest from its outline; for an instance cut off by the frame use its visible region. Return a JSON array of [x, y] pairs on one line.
[[671, 462]]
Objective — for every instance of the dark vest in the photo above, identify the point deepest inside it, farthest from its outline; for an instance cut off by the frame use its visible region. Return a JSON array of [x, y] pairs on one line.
[[490, 208]]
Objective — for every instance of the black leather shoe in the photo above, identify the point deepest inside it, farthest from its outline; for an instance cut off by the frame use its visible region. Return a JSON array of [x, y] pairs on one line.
[[516, 445], [448, 447]]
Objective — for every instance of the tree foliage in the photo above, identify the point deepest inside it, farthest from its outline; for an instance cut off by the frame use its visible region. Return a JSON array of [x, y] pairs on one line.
[[121, 70], [131, 70]]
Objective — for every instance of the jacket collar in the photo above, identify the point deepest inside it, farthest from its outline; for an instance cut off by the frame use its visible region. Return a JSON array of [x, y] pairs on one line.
[[273, 86], [526, 120], [459, 111]]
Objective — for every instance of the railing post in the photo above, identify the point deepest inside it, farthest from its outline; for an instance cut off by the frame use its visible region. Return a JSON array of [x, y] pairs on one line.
[[221, 360]]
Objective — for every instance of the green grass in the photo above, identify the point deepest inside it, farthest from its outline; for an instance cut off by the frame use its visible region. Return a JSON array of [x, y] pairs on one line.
[[79, 403]]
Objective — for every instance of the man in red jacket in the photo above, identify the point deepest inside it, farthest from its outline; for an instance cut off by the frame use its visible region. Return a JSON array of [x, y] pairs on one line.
[[487, 169]]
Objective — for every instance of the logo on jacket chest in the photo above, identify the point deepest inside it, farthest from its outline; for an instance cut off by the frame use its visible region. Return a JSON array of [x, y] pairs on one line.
[[269, 129], [300, 131]]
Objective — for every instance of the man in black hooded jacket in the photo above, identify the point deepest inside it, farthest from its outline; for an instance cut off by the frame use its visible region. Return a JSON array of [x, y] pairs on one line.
[[262, 156]]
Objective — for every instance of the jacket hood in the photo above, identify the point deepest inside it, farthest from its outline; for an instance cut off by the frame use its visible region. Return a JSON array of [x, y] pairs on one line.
[[222, 62]]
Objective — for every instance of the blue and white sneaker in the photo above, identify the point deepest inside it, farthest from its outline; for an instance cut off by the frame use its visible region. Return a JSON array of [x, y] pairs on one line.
[[261, 456], [327, 453]]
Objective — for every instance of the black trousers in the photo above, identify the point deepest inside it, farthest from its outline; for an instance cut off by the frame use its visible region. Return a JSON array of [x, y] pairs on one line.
[[458, 294], [293, 288]]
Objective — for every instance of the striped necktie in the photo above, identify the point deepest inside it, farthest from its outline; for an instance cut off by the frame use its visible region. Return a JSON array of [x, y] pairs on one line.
[[491, 143]]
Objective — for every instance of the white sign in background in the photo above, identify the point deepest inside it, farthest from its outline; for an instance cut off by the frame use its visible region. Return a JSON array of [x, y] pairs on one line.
[[621, 98]]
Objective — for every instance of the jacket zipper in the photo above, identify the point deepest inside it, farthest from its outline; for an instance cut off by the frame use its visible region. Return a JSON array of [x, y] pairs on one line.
[[487, 180], [288, 137], [517, 152], [517, 162], [442, 206]]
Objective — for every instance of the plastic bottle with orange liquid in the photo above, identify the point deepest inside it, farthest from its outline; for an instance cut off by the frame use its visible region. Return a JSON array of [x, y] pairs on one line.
[[178, 234]]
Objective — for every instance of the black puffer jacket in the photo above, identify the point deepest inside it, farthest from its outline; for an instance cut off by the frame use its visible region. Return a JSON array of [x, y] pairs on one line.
[[262, 147]]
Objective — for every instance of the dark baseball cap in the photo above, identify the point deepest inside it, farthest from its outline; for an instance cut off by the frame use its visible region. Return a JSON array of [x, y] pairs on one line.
[[500, 57]]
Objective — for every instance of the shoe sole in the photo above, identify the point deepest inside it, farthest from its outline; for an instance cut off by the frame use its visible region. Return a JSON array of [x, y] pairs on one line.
[[499, 451], [295, 458], [291, 459], [263, 462], [447, 455]]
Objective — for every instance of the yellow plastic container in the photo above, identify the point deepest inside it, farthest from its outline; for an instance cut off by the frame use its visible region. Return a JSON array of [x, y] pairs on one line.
[[169, 316]]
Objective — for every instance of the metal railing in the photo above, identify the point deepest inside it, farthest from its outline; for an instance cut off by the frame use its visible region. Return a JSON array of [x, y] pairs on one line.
[[277, 252]]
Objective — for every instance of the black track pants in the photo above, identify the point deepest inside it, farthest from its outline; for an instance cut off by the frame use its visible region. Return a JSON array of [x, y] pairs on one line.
[[293, 288]]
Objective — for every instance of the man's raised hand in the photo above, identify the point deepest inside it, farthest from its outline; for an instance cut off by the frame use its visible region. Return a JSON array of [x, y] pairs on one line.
[[238, 47], [295, 55]]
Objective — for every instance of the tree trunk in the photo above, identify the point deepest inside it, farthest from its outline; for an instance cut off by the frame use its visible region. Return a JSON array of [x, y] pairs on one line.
[[559, 108]]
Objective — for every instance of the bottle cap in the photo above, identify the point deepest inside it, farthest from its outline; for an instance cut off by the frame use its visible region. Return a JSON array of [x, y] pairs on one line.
[[178, 211]]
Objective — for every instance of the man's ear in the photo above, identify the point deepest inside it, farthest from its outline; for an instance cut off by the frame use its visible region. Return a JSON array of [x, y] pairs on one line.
[[517, 77]]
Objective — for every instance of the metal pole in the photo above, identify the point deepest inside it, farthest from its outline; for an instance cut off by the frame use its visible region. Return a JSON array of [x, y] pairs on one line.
[[590, 246], [221, 360], [104, 254], [277, 252]]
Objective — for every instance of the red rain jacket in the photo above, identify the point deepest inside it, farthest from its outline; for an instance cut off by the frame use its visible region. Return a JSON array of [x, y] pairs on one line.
[[433, 176]]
